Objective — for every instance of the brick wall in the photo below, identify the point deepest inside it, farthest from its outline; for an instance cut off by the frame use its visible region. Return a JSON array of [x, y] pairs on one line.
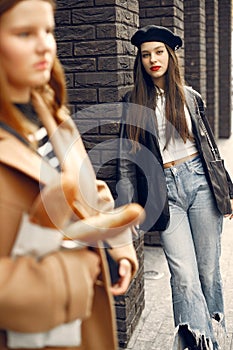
[[94, 47], [225, 70], [212, 66], [95, 50], [129, 307], [195, 45], [93, 44], [208, 58]]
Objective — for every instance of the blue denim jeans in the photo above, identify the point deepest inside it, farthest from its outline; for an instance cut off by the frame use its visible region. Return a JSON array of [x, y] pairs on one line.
[[192, 247]]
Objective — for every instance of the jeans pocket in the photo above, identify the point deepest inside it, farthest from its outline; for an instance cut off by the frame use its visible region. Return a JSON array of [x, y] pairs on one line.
[[198, 169]]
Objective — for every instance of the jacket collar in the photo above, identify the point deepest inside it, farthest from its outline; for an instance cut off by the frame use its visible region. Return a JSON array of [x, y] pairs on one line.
[[190, 100], [17, 155], [189, 96]]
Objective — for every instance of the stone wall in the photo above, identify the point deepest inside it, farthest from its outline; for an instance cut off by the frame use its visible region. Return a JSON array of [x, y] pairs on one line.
[[212, 65], [94, 47], [225, 71]]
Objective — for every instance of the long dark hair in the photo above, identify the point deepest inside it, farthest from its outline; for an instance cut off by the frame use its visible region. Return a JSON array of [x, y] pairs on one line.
[[144, 93], [53, 93]]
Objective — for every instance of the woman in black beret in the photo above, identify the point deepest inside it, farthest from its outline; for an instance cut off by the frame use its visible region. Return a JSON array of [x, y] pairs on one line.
[[163, 166]]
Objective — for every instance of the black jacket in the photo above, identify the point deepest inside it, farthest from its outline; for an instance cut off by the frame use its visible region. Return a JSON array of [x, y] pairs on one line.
[[140, 175]]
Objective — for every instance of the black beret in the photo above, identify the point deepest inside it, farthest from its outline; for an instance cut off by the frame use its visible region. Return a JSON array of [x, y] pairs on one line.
[[156, 33]]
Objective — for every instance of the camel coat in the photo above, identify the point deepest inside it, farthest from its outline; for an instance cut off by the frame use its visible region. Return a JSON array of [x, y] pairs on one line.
[[37, 295]]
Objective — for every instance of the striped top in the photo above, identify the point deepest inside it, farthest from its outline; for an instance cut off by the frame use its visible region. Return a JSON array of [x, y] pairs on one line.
[[45, 148]]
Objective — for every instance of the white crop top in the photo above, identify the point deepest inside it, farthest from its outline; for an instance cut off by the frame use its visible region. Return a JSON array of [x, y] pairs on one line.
[[176, 148]]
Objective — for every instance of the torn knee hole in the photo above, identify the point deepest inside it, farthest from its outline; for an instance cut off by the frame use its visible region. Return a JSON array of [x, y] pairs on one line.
[[217, 317], [189, 340], [186, 336]]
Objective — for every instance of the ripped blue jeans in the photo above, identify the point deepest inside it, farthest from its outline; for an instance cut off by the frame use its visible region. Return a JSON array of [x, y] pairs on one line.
[[192, 245]]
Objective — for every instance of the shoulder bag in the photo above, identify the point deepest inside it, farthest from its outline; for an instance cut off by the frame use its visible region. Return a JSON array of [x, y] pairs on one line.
[[215, 166]]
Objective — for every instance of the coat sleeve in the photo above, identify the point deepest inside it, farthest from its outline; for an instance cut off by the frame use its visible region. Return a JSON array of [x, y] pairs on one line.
[[37, 294], [122, 246], [126, 171]]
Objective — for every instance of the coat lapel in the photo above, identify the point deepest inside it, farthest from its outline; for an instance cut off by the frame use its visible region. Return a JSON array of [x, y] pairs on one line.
[[15, 154], [189, 96]]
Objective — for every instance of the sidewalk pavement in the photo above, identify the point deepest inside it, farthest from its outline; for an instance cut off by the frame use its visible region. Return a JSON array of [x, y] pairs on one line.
[[155, 328]]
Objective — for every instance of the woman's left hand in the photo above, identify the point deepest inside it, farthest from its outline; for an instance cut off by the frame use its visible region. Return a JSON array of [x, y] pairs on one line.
[[230, 216], [125, 272]]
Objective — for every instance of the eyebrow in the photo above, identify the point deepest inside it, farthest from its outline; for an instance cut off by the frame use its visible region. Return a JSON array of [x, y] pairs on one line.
[[155, 48]]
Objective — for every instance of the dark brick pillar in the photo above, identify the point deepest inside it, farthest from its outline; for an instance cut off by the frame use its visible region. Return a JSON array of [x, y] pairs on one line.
[[212, 64], [195, 45], [94, 47], [129, 307], [225, 67], [95, 50]]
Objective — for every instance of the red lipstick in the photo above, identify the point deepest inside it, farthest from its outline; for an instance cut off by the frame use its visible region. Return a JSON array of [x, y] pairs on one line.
[[155, 68]]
